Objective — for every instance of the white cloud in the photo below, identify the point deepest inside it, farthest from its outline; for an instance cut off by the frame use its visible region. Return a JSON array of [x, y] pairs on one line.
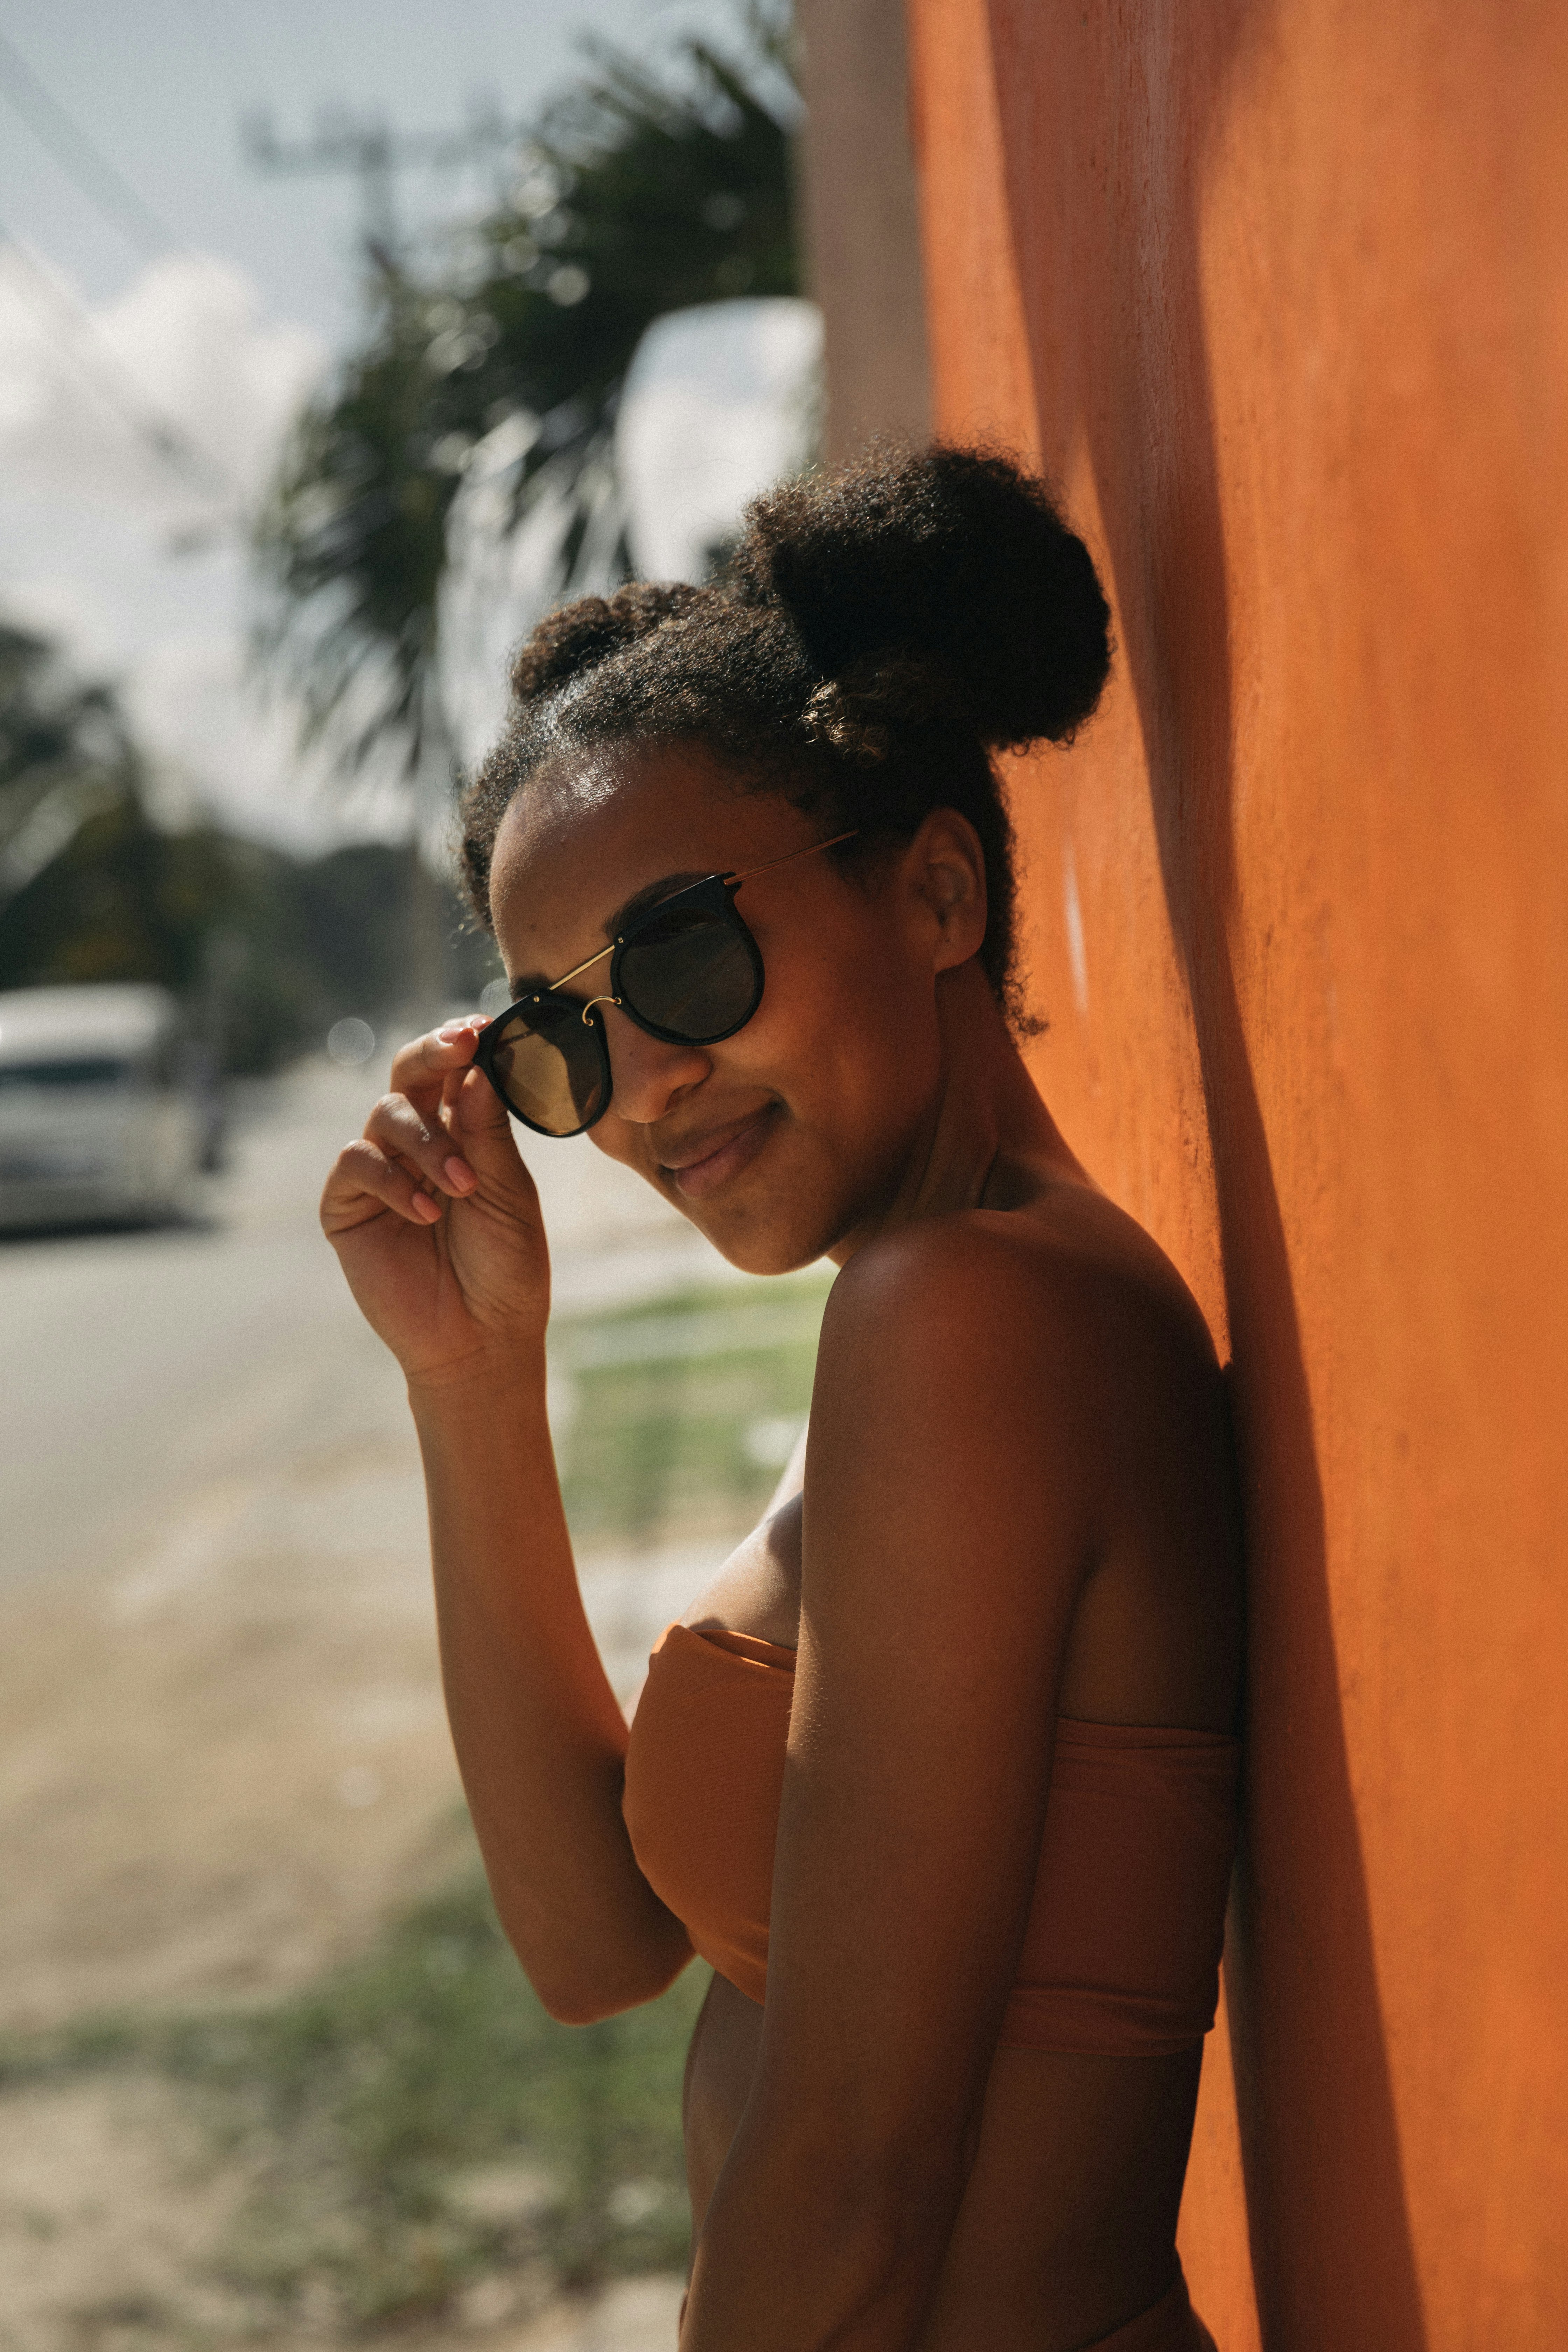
[[91, 520], [84, 394]]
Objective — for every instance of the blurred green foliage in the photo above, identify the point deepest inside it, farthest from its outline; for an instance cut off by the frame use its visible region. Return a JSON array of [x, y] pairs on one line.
[[266, 950], [415, 2121], [639, 194], [682, 1412]]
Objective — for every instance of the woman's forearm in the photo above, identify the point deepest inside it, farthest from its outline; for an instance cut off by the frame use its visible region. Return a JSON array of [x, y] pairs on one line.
[[540, 1740]]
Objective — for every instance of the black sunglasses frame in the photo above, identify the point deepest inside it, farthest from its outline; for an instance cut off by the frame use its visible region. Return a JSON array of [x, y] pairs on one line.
[[714, 894]]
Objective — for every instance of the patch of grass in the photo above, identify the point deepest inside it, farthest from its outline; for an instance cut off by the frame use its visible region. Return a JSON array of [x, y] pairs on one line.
[[375, 2100], [682, 1408], [416, 2120]]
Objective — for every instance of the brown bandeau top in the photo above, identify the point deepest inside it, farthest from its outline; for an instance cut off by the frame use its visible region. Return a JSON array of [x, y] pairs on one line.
[[1121, 1952]]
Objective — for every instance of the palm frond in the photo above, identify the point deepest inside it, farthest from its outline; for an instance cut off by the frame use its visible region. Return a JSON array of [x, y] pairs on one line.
[[638, 195]]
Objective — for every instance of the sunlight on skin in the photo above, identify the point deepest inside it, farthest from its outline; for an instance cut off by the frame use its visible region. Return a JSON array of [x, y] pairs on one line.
[[823, 1115]]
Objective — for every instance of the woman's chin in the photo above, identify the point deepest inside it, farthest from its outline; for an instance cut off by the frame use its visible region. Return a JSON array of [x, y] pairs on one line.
[[759, 1234], [753, 1249], [785, 1259]]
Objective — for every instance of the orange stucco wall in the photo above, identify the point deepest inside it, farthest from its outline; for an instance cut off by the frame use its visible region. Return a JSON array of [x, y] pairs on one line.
[[1278, 294]]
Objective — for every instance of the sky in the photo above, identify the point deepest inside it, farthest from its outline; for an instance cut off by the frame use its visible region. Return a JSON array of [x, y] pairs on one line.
[[180, 296]]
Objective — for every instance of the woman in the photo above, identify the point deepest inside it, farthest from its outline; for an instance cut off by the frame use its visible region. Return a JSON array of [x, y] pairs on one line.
[[967, 1927]]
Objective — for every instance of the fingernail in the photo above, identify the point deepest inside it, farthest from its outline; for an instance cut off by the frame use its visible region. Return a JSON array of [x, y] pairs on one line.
[[453, 1029], [460, 1173], [423, 1206]]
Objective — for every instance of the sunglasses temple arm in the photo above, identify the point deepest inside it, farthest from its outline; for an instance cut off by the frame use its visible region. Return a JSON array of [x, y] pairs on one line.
[[810, 850], [586, 964]]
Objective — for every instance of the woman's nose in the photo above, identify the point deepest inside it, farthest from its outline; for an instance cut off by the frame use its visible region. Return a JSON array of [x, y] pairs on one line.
[[648, 1073]]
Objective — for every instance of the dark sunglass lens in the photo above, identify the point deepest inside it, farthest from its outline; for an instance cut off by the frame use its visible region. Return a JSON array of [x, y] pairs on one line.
[[691, 972], [550, 1070]]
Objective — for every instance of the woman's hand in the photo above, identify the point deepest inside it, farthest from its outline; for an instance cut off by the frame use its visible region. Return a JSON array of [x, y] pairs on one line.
[[435, 1221]]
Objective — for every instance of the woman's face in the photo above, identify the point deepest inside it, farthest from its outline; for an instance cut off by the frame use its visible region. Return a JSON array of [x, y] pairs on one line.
[[786, 1138]]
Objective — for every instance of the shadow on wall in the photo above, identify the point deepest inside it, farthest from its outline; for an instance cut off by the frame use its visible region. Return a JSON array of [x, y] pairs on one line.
[[1108, 115]]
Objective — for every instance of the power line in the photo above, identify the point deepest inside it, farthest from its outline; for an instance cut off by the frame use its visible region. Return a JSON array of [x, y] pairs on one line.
[[78, 333], [91, 172], [72, 326]]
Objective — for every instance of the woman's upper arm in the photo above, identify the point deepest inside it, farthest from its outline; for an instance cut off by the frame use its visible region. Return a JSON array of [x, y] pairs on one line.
[[948, 1530]]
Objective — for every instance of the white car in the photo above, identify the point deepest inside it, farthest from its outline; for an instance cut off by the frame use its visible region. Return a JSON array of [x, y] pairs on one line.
[[104, 1108]]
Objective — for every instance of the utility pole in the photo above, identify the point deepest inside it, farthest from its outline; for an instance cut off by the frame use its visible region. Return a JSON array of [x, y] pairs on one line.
[[367, 147]]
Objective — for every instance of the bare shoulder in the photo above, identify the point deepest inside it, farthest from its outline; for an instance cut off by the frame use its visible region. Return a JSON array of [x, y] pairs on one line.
[[1069, 1286], [1033, 1397]]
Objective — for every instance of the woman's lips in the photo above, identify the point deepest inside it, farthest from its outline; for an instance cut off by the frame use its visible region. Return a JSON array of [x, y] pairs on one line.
[[737, 1147]]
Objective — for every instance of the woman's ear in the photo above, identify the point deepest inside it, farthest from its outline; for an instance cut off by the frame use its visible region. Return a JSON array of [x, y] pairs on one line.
[[945, 869]]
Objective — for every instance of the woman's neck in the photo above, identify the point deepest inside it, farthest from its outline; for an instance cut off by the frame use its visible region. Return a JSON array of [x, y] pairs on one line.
[[988, 1140]]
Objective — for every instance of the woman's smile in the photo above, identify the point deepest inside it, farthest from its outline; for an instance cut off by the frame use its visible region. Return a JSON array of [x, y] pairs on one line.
[[697, 1167]]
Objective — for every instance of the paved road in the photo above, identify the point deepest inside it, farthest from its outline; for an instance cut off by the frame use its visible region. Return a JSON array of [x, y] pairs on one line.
[[141, 1370]]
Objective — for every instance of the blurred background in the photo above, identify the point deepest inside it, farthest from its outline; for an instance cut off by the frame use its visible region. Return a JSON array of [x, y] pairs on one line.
[[336, 345]]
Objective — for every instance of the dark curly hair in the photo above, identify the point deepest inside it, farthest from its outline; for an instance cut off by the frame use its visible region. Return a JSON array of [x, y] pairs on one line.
[[878, 633]]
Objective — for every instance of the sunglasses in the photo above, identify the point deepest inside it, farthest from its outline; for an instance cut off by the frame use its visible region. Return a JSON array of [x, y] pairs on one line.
[[688, 972]]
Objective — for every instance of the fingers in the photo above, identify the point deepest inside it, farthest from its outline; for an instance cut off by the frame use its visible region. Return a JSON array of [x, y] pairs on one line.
[[432, 1072], [364, 1182], [423, 1146], [422, 1069], [478, 1114]]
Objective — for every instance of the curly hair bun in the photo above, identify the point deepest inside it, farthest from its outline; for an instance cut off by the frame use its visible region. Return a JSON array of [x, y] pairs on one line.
[[954, 559], [580, 636]]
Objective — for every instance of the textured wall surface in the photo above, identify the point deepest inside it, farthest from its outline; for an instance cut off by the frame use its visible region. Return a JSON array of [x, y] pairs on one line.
[[860, 216], [1278, 294]]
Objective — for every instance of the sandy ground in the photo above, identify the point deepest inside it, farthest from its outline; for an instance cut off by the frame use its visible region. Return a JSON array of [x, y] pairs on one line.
[[223, 1755]]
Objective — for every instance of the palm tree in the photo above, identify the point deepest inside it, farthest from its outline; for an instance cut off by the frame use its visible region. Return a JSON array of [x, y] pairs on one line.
[[89, 889], [638, 197], [65, 758]]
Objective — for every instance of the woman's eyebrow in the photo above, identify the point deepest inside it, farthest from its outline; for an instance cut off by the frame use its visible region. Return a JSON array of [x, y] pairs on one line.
[[652, 894]]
